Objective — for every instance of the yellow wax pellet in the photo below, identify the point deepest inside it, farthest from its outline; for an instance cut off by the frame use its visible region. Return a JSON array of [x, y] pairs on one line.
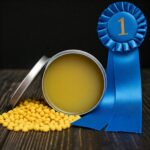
[[36, 115], [9, 127], [52, 127], [10, 112], [57, 118], [21, 116], [61, 114], [11, 123], [25, 102], [1, 119], [5, 124], [24, 129], [41, 105], [46, 110], [67, 125], [58, 128], [33, 110], [46, 128], [36, 127], [5, 116], [61, 121], [65, 117], [56, 113], [16, 128], [42, 113], [16, 116], [52, 110], [52, 116], [46, 122]]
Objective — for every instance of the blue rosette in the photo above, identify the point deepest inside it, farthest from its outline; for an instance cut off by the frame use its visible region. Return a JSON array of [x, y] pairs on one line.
[[121, 28], [117, 16]]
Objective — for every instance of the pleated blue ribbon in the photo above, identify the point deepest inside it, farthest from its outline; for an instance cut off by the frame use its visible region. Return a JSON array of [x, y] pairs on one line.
[[121, 28]]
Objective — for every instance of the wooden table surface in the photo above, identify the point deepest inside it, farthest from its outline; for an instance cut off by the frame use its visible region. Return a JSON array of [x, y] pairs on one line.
[[73, 138]]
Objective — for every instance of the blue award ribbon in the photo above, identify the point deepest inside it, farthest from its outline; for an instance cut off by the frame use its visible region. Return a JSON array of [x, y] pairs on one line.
[[121, 28]]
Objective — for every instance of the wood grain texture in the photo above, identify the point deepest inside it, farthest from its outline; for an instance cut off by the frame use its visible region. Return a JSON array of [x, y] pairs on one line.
[[73, 138]]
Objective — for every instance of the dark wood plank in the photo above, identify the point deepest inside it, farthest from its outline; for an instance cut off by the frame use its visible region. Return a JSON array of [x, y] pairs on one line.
[[73, 138]]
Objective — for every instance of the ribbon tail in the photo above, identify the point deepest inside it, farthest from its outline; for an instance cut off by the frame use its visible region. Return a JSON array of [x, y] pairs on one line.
[[127, 115], [100, 116]]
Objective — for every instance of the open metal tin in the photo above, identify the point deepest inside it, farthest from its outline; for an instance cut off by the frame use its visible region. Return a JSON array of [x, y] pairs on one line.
[[48, 62], [76, 52]]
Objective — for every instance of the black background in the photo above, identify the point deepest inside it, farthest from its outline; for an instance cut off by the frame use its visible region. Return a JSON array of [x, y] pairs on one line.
[[30, 29]]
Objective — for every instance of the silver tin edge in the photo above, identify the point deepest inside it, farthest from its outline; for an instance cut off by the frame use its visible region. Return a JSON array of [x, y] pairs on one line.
[[73, 51], [27, 81]]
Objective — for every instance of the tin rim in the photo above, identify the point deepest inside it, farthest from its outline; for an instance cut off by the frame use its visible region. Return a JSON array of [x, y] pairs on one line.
[[80, 52]]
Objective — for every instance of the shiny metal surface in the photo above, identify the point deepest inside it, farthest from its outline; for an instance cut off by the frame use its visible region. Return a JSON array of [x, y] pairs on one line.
[[80, 52], [27, 81]]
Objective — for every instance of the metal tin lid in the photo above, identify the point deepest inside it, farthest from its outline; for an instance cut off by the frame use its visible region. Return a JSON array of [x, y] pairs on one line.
[[27, 81]]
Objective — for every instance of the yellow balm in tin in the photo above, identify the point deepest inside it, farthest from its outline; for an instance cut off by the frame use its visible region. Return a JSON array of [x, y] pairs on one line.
[[73, 82]]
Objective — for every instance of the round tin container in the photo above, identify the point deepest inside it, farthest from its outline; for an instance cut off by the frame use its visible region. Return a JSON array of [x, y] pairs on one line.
[[81, 53]]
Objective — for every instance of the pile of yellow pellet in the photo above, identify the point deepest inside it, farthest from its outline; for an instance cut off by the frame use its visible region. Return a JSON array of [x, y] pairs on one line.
[[36, 115]]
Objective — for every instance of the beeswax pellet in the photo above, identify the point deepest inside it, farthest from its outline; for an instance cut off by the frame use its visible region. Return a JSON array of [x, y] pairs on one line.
[[35, 115]]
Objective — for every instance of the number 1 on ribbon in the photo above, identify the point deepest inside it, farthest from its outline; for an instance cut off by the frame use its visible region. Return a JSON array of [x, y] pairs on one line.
[[122, 27]]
